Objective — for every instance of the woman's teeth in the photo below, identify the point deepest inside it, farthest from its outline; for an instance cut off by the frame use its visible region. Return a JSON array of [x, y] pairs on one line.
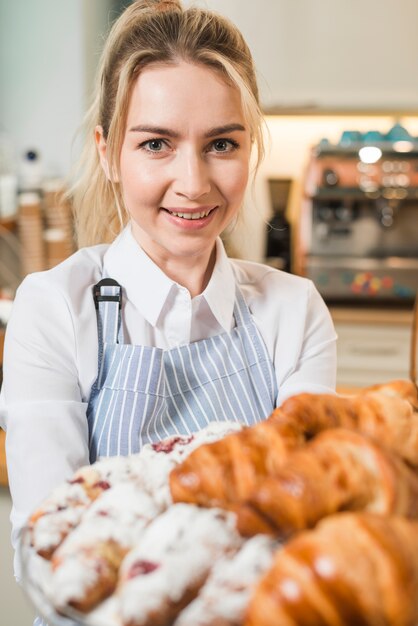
[[191, 216]]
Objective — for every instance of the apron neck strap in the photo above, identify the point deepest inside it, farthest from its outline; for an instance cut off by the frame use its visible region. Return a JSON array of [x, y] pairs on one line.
[[242, 313], [107, 296]]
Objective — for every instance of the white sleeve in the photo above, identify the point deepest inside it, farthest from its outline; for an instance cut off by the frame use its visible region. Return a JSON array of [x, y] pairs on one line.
[[312, 367], [45, 417]]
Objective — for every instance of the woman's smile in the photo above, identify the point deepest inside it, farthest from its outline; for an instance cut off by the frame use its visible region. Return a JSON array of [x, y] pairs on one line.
[[190, 218]]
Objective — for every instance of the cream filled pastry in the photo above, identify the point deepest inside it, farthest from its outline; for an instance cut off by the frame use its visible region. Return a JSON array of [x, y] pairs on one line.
[[223, 599], [172, 561], [85, 566]]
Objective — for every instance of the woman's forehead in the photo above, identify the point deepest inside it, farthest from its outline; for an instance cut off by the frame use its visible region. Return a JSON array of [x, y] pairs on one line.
[[183, 94]]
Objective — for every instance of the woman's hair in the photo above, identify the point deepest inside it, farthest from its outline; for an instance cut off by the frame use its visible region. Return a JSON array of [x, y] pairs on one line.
[[151, 31]]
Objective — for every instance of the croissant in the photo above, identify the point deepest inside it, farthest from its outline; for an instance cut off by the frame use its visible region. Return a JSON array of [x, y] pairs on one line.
[[385, 412], [405, 389], [225, 472], [338, 470], [352, 569]]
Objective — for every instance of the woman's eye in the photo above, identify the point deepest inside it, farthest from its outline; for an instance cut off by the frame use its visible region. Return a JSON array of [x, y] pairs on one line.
[[153, 145], [224, 145]]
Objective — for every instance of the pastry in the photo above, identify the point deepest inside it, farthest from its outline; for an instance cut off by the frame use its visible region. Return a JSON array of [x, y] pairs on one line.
[[226, 472], [171, 561], [405, 389], [223, 599], [85, 567], [64, 509], [381, 413], [338, 470], [352, 569]]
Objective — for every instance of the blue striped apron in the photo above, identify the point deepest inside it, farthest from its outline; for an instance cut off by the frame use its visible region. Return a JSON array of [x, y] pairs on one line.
[[144, 394]]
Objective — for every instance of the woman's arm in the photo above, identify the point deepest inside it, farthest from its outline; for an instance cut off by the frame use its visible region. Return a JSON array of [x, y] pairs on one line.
[[45, 417], [315, 363], [298, 331]]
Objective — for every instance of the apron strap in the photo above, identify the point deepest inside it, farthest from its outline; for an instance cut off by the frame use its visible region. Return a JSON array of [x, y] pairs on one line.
[[242, 313], [107, 296]]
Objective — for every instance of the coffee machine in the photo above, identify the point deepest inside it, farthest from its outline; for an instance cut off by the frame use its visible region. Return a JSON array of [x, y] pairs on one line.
[[359, 221]]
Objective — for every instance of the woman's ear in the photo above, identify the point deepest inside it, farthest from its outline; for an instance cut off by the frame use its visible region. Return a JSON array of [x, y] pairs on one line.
[[102, 150]]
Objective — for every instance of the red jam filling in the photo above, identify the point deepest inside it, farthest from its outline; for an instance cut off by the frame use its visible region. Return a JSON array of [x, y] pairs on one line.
[[102, 484], [168, 445], [140, 568]]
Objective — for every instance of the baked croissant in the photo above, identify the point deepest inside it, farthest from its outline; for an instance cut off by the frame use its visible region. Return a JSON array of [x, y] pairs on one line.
[[352, 569], [338, 470], [225, 472], [405, 389], [385, 412]]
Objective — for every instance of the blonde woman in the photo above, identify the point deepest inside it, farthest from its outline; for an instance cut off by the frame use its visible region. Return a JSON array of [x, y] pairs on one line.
[[150, 330]]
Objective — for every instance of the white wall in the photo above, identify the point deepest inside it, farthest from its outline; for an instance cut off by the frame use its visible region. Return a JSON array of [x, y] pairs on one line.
[[325, 52], [359, 53], [48, 51], [42, 76]]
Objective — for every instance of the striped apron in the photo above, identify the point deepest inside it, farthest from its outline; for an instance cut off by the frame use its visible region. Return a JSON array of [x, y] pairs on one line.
[[144, 394]]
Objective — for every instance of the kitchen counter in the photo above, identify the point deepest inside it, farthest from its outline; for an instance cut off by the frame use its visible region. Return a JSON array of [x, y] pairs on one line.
[[374, 345], [359, 315]]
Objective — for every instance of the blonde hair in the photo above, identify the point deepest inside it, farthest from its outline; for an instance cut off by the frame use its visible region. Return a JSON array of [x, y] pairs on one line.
[[151, 31]]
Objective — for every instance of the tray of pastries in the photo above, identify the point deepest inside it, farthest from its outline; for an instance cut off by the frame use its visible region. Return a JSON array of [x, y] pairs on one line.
[[309, 518]]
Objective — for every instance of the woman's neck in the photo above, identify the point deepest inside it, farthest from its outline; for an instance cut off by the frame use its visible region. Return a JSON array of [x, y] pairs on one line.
[[188, 264], [193, 274]]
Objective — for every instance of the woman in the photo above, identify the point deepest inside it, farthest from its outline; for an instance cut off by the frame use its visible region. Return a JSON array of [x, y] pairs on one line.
[[152, 330]]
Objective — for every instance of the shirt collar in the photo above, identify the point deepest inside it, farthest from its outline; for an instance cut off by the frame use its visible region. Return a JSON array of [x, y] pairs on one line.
[[220, 291], [148, 288], [145, 285]]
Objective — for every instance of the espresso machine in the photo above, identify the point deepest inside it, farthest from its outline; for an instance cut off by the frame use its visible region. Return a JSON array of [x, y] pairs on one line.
[[359, 220]]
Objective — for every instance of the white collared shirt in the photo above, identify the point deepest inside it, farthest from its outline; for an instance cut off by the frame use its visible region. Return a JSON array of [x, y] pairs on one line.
[[51, 348]]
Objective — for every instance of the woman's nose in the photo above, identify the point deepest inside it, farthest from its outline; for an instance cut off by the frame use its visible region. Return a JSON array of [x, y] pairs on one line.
[[191, 177]]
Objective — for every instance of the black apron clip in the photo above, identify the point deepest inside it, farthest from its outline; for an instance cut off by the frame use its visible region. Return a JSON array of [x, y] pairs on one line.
[[97, 295]]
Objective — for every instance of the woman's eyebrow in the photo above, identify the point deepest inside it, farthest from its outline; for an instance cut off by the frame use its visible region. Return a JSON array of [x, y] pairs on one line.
[[155, 130], [159, 130], [222, 130]]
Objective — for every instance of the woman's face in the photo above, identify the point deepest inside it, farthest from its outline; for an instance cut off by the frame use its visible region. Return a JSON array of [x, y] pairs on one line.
[[184, 160]]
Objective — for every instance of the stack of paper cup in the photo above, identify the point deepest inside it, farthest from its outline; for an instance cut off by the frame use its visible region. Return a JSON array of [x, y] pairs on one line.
[[58, 216], [30, 232], [56, 246]]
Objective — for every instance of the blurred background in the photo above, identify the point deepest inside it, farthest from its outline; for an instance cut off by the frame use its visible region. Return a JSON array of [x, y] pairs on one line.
[[336, 198]]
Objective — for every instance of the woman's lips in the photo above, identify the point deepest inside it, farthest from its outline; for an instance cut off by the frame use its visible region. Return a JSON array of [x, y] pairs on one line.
[[190, 214], [190, 219]]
